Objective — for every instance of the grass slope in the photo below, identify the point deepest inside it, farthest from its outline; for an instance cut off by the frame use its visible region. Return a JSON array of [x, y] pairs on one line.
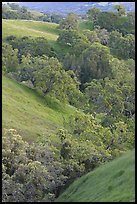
[[29, 113], [22, 28], [112, 182]]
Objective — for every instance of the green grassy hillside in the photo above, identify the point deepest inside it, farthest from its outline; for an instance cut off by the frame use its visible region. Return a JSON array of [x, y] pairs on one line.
[[112, 182], [22, 28], [29, 113]]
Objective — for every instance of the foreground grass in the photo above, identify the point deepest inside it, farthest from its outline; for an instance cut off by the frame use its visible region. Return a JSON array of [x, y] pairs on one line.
[[112, 182], [30, 113]]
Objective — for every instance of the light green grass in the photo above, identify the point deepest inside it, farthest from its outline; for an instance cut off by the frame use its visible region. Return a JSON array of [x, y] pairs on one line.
[[85, 25], [29, 113], [111, 182], [21, 28]]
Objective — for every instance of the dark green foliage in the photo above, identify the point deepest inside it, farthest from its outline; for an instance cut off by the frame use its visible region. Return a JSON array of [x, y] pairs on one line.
[[93, 15], [122, 47], [27, 67], [79, 47], [112, 21], [77, 43], [103, 35], [30, 172], [56, 18], [71, 37], [13, 11], [113, 99], [70, 62], [98, 35], [130, 22], [95, 63], [113, 102], [108, 20], [70, 22], [53, 80], [9, 58], [113, 38], [46, 17], [34, 46], [92, 36]]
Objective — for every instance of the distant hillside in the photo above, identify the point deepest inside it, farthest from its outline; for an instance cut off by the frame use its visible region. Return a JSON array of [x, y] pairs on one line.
[[22, 28], [112, 182], [76, 7]]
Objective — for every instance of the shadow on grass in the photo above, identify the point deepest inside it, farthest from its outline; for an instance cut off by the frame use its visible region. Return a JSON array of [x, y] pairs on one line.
[[46, 100]]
